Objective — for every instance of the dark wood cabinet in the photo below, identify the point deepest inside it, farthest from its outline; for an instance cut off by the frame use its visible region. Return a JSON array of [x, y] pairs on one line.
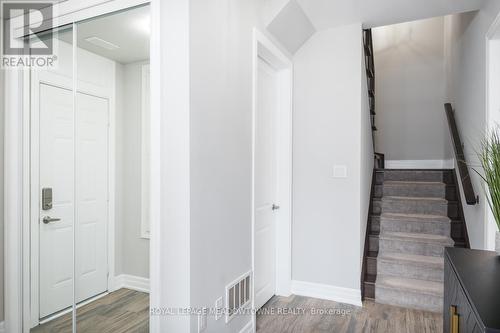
[[471, 291]]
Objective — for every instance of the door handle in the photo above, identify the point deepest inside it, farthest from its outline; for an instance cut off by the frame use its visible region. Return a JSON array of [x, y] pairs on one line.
[[275, 207], [48, 219]]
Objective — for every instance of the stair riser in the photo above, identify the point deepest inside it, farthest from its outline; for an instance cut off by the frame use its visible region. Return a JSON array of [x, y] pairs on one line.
[[414, 207], [415, 190], [410, 271], [408, 247], [433, 228], [407, 299]]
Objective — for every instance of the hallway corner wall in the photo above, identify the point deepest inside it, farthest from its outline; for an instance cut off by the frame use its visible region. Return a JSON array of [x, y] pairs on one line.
[[329, 120]]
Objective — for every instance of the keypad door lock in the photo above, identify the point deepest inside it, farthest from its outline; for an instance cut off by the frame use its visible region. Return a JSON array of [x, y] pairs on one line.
[[46, 198]]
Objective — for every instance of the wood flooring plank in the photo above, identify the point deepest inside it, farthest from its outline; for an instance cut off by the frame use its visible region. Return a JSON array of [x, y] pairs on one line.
[[127, 311], [122, 311], [371, 318]]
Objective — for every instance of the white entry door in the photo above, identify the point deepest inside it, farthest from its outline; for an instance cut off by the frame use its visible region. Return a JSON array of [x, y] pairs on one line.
[[56, 173], [266, 183], [75, 175]]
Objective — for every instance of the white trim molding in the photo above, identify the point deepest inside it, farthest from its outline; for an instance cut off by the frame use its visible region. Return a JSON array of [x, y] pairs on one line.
[[327, 292], [420, 164], [248, 328], [131, 282]]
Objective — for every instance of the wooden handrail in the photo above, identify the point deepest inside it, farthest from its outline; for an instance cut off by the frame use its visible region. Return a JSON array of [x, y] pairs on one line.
[[463, 169]]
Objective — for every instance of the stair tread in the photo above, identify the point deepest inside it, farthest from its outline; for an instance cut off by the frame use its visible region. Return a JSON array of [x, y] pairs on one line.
[[417, 237], [411, 182], [412, 285], [415, 259], [419, 217], [395, 198]]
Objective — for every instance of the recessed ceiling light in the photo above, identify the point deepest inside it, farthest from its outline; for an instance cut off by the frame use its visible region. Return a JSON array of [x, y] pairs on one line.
[[102, 43]]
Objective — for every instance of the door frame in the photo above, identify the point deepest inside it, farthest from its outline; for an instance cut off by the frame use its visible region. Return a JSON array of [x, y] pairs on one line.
[[265, 48], [90, 89], [17, 309], [492, 44]]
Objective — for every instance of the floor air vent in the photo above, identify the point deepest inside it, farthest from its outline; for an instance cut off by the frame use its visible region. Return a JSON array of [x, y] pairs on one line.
[[238, 295]]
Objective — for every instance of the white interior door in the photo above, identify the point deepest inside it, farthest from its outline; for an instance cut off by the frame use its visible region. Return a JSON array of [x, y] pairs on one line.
[[266, 183], [91, 196], [57, 173], [89, 174]]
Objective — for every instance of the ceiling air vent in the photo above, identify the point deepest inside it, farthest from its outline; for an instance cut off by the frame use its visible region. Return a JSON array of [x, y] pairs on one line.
[[102, 43], [238, 295]]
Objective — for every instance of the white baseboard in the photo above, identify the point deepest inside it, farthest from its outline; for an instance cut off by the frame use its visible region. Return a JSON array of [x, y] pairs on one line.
[[2, 327], [420, 164], [324, 291], [248, 328], [131, 282]]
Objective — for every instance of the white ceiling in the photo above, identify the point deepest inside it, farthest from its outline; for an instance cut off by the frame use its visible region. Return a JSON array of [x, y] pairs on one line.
[[127, 29], [325, 14]]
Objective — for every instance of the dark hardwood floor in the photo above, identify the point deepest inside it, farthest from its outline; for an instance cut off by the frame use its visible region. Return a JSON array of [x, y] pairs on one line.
[[119, 312], [317, 316]]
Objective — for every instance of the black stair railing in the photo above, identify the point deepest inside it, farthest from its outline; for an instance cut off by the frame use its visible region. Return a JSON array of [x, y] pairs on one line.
[[370, 76], [463, 169]]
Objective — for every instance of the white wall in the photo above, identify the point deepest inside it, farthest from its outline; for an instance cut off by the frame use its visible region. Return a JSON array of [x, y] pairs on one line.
[[466, 89], [410, 91], [330, 128], [221, 157], [132, 251]]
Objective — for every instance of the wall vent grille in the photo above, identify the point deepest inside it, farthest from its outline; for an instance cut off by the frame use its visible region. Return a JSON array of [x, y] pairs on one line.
[[238, 295]]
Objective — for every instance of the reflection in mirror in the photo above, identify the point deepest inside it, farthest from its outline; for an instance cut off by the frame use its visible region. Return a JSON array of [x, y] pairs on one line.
[[52, 188], [89, 236], [112, 228]]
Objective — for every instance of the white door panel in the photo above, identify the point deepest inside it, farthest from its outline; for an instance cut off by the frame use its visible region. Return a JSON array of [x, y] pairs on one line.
[[91, 195], [56, 172], [265, 184]]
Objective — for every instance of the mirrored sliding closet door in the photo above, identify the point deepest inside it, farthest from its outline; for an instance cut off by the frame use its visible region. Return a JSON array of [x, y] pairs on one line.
[[89, 169], [112, 119], [53, 177]]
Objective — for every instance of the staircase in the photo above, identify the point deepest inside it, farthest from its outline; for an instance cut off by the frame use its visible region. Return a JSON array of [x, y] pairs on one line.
[[415, 215]]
